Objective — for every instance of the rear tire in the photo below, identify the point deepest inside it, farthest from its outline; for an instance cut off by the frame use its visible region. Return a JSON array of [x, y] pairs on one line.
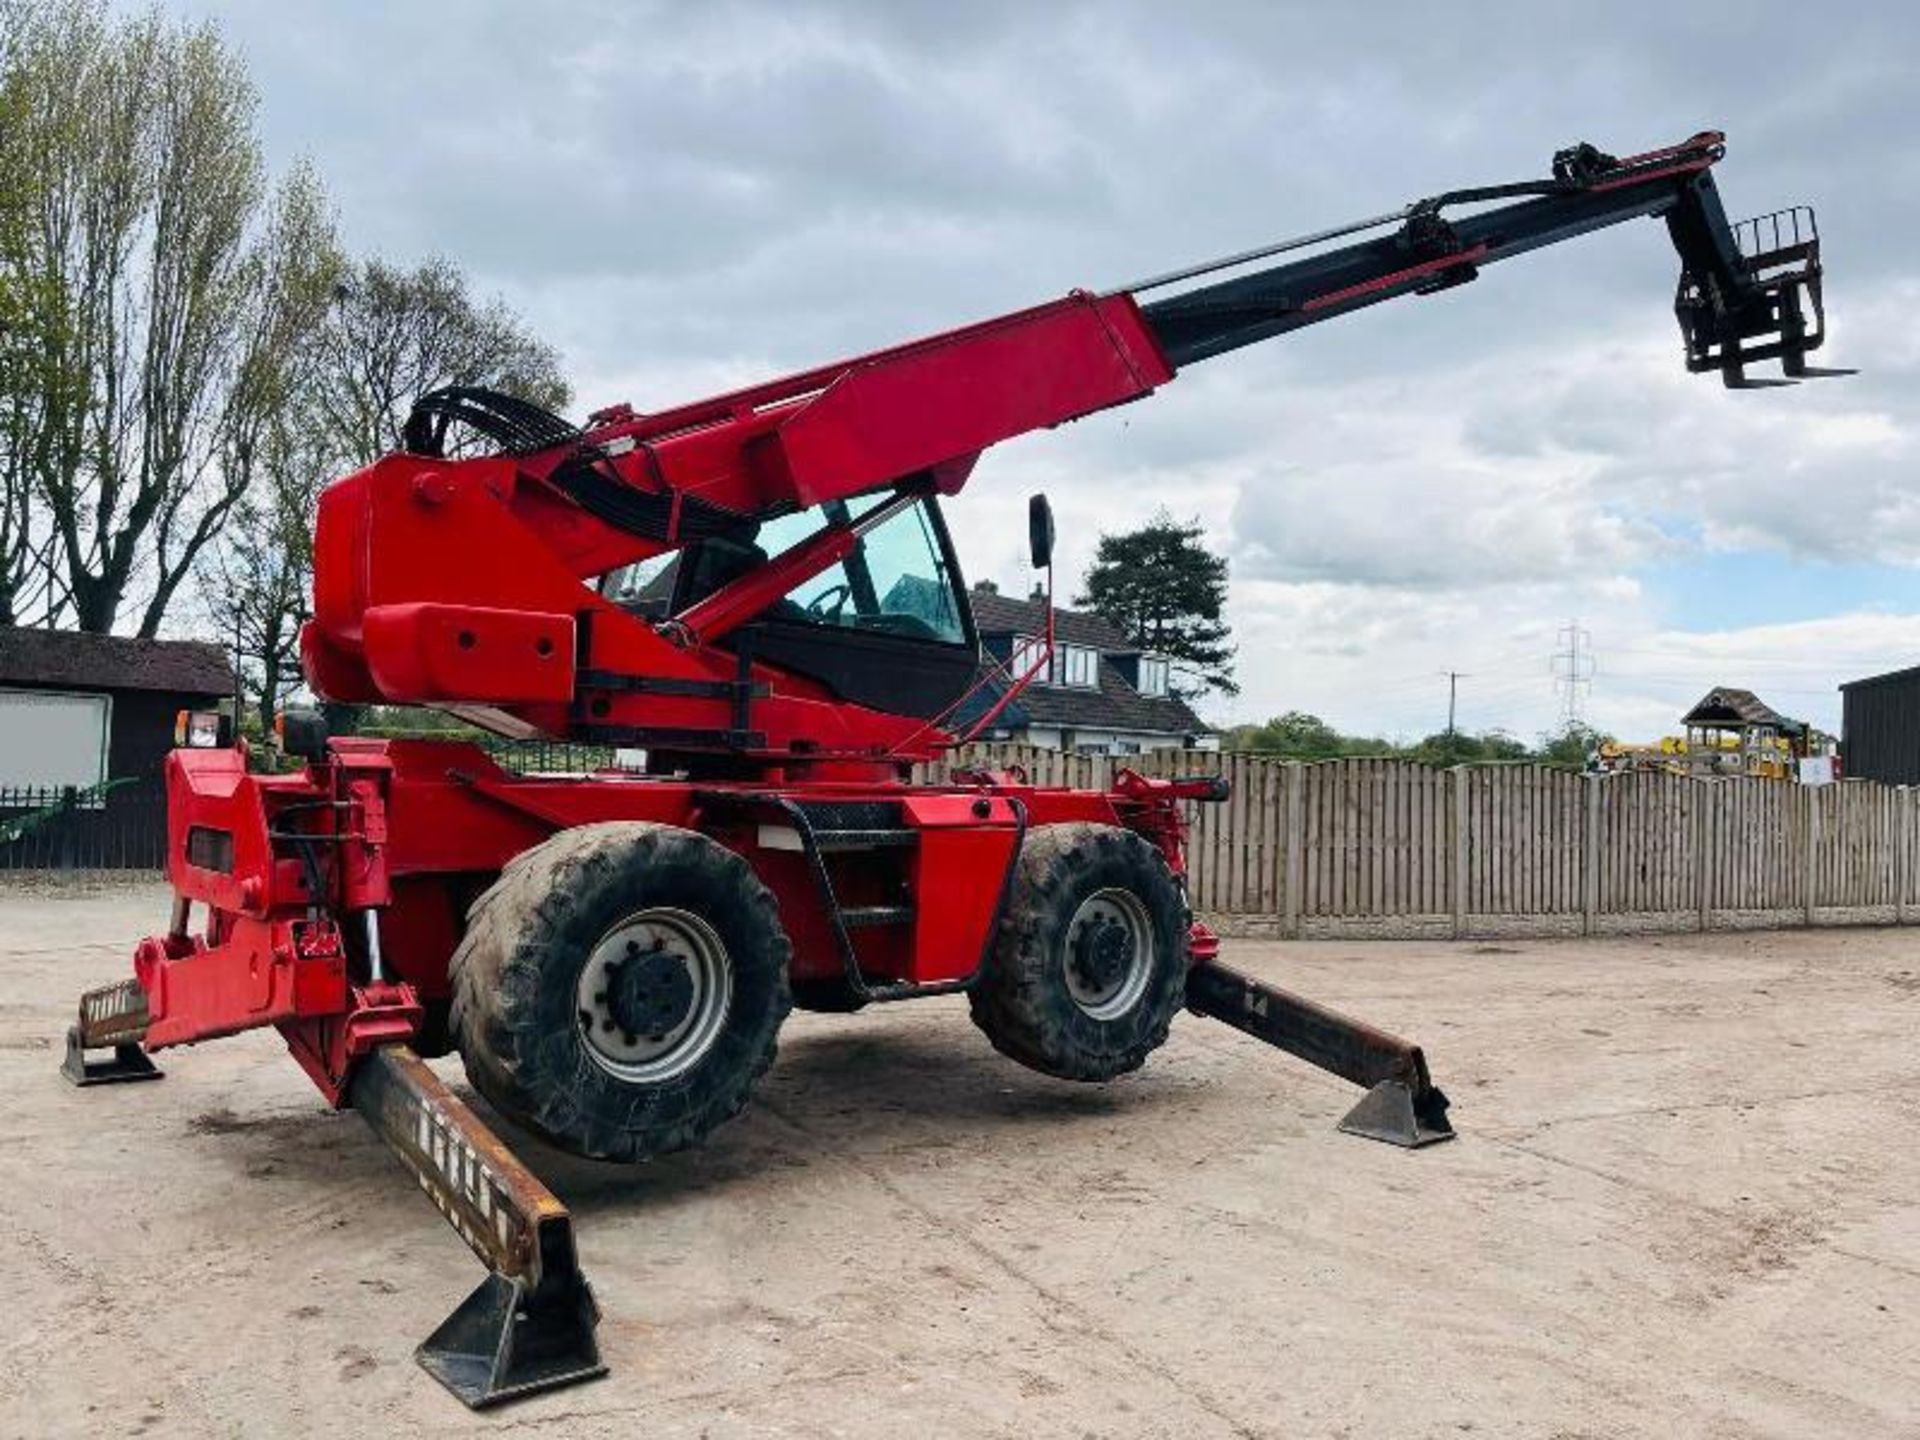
[[1090, 965], [620, 989]]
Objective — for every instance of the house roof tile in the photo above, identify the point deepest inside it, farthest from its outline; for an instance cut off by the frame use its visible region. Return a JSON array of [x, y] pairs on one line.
[[112, 662], [1004, 615]]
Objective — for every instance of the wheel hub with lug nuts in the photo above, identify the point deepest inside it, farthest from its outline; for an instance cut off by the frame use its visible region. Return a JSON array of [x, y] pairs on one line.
[[1101, 952], [649, 992], [653, 995], [1109, 953]]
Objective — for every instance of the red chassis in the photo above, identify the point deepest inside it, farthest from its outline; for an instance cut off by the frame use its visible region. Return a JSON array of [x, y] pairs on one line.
[[420, 827]]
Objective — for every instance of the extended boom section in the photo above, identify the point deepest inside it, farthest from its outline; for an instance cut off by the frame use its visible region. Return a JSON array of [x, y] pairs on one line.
[[1746, 293], [752, 604]]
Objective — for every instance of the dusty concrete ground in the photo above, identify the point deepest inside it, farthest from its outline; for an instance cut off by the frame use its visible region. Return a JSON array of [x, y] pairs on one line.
[[1683, 1204]]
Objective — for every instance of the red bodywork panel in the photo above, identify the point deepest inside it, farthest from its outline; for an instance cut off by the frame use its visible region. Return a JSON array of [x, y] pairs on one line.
[[859, 425], [441, 594], [955, 872]]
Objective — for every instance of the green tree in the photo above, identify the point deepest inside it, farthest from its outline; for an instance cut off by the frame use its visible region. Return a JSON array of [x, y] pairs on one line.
[[1572, 746], [20, 340], [257, 579], [1297, 735], [162, 287], [1458, 747], [1166, 592]]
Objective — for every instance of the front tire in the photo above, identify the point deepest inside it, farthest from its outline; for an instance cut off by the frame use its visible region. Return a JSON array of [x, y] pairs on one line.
[[620, 989], [1090, 966]]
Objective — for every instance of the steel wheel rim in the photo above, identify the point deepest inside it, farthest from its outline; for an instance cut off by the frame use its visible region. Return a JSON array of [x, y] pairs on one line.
[[1108, 983], [664, 941]]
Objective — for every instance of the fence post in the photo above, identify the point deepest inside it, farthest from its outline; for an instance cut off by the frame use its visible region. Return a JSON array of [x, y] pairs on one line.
[[1590, 853], [1702, 847], [1811, 795], [69, 802], [1902, 850], [1458, 885], [1293, 838]]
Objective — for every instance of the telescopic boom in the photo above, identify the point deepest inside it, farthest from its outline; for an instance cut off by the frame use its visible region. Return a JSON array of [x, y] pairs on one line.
[[1747, 293], [394, 582]]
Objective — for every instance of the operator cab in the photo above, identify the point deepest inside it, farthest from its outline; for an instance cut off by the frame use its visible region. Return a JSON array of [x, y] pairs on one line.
[[889, 627]]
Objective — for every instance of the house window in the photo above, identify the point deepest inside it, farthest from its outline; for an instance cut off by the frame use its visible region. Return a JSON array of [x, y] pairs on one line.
[[1074, 665], [1027, 650], [1078, 666], [1154, 674]]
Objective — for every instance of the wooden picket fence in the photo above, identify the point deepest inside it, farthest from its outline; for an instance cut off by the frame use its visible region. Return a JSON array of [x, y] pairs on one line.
[[1372, 847], [1391, 848]]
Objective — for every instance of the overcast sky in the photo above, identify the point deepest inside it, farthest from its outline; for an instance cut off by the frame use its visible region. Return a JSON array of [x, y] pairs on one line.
[[688, 196]]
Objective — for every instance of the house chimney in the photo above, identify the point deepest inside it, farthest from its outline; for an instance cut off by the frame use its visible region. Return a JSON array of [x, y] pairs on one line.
[[985, 587], [1039, 593]]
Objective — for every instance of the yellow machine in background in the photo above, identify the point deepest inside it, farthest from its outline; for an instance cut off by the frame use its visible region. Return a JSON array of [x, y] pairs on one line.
[[1730, 732]]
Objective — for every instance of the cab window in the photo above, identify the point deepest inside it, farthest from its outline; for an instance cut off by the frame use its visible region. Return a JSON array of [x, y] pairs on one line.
[[895, 582], [646, 586]]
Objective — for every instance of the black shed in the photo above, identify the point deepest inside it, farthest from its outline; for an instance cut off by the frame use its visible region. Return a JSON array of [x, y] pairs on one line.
[[1880, 727], [85, 723]]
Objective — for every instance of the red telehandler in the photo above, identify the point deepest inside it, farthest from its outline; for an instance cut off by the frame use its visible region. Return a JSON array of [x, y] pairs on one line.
[[757, 592]]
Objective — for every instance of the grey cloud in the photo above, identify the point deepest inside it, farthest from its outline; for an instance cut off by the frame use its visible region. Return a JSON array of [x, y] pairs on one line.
[[686, 196], [1073, 145], [1431, 526]]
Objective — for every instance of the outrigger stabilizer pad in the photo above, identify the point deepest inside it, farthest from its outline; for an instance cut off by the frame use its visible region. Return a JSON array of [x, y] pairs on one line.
[[112, 1017], [503, 1342], [530, 1326], [1395, 1112], [1402, 1105]]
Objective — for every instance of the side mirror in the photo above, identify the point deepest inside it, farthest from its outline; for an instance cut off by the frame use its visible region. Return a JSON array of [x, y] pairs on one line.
[[1040, 531]]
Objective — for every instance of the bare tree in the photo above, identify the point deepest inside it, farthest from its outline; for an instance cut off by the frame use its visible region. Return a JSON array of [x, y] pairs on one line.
[[394, 334], [167, 289], [389, 336], [16, 398], [256, 578], [23, 342]]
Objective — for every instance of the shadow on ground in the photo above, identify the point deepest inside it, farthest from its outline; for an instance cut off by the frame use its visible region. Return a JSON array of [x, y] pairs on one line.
[[832, 1095]]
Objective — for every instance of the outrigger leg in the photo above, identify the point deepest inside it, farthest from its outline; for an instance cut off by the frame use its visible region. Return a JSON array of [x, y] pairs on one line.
[[530, 1325], [1402, 1105]]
